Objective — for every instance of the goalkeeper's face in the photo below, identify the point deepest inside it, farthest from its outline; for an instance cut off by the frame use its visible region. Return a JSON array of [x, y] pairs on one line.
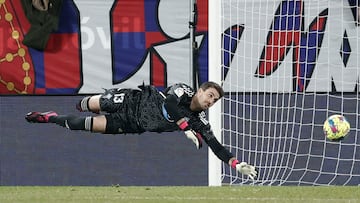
[[204, 99]]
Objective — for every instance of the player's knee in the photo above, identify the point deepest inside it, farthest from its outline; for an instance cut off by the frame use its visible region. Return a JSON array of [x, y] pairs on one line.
[[89, 103], [99, 124], [94, 103], [78, 123]]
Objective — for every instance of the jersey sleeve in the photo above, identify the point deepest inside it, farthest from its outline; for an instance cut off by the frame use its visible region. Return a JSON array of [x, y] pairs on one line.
[[174, 95], [202, 126]]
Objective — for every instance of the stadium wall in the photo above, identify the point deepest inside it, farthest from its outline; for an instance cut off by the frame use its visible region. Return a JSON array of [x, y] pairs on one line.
[[47, 154]]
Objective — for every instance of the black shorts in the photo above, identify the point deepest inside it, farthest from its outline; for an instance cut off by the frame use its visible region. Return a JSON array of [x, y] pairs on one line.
[[121, 106]]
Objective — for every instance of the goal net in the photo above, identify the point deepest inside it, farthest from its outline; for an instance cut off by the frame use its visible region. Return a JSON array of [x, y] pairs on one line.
[[285, 67]]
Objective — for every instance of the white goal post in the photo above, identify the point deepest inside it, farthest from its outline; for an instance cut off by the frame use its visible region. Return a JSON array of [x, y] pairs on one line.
[[215, 75], [285, 66]]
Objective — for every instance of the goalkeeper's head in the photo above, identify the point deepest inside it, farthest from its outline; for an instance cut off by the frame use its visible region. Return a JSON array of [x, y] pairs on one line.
[[207, 95]]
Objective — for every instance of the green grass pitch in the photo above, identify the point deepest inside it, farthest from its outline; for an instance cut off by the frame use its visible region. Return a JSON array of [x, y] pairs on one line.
[[275, 194]]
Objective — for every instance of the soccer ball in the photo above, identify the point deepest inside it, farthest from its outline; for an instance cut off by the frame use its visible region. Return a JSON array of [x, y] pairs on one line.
[[336, 127]]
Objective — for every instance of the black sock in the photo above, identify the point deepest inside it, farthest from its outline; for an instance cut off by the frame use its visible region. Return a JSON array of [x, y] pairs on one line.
[[73, 122]]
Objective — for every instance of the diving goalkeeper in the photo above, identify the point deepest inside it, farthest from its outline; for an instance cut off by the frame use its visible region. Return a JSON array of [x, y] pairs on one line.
[[125, 110]]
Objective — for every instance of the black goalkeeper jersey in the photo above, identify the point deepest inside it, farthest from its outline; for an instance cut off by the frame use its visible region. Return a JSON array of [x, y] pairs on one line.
[[137, 111], [150, 111], [154, 117]]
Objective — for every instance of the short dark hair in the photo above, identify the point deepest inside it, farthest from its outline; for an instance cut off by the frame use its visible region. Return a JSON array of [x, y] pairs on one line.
[[214, 85]]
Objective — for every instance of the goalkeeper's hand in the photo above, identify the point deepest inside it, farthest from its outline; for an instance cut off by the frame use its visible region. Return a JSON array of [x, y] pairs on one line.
[[191, 134], [244, 168], [194, 137]]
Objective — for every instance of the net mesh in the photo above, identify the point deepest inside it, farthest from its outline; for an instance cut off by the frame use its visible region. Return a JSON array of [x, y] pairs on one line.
[[286, 67]]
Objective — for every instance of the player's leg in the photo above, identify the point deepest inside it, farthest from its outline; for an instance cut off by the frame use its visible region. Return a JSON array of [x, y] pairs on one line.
[[99, 124], [89, 123], [89, 103], [108, 101], [115, 123]]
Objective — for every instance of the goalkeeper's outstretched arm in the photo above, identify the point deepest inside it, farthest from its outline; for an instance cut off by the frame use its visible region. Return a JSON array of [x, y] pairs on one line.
[[223, 154], [200, 129]]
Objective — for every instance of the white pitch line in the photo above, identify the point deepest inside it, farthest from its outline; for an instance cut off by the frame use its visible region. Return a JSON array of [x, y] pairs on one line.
[[265, 199]]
